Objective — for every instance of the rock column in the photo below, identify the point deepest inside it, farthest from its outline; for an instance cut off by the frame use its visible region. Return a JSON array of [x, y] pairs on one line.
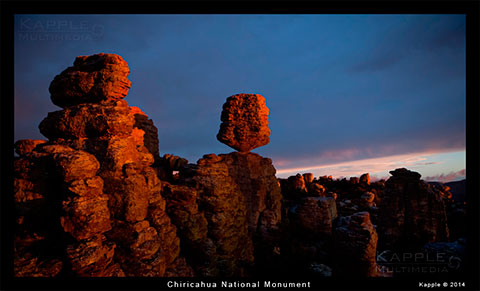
[[110, 195]]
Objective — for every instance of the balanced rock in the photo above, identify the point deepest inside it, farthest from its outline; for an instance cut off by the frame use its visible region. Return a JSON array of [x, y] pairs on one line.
[[244, 122], [91, 79]]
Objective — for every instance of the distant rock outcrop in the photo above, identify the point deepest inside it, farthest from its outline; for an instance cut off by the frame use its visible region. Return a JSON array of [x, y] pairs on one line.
[[365, 178], [411, 212], [329, 222]]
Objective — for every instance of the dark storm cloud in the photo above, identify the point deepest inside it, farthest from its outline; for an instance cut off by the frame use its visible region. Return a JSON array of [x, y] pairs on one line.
[[417, 36]]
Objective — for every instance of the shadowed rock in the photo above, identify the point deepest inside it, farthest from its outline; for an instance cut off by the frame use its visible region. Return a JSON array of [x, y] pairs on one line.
[[355, 240], [411, 212], [236, 203], [315, 215]]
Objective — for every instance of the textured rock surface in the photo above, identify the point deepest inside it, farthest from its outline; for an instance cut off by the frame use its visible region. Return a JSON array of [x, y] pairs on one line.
[[150, 138], [89, 195], [313, 236], [240, 205], [61, 206], [315, 215], [411, 212], [91, 79], [253, 177], [183, 208], [244, 122], [25, 146], [355, 240], [92, 120], [294, 186]]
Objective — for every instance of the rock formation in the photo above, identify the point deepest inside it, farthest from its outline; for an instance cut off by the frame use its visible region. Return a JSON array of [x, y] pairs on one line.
[[91, 79], [326, 225], [355, 240], [97, 199], [244, 122], [411, 212], [93, 182], [240, 202], [24, 146], [365, 178], [314, 215], [226, 204]]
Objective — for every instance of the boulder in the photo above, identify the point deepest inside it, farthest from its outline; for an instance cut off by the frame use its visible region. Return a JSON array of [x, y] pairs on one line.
[[91, 79], [244, 122]]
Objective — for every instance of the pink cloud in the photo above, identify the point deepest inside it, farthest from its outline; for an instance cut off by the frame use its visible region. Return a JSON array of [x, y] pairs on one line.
[[377, 167], [358, 167], [339, 156], [375, 178], [444, 178]]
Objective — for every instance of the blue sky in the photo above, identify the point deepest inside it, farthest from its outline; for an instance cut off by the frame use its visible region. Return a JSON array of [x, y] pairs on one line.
[[340, 88]]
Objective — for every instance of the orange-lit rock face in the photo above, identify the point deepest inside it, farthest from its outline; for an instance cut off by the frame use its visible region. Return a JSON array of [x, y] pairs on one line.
[[244, 122], [27, 145], [150, 138], [89, 121], [92, 183], [91, 79]]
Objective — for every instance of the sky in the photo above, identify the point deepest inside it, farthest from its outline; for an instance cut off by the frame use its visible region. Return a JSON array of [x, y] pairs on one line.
[[348, 94]]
